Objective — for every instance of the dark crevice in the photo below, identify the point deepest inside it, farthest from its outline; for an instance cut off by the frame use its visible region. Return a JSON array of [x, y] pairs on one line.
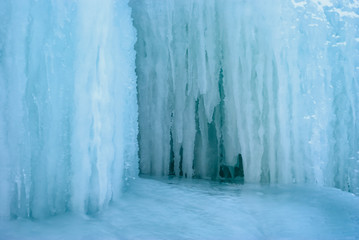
[[181, 161], [172, 158]]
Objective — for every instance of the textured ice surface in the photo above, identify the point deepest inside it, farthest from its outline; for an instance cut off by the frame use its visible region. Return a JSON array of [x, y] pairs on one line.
[[68, 107], [274, 81], [198, 209]]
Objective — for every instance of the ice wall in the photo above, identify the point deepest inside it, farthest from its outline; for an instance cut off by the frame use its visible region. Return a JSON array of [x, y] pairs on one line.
[[270, 85], [68, 105]]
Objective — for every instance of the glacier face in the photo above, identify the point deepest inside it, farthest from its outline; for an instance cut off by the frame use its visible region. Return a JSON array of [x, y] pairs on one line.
[[68, 105], [269, 88]]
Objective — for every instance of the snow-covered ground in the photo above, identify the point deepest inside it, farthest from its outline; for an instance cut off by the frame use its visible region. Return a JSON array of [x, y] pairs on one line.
[[199, 209]]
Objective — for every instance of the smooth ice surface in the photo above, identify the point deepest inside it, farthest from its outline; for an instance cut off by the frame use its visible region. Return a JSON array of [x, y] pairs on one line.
[[68, 106], [198, 209], [275, 81]]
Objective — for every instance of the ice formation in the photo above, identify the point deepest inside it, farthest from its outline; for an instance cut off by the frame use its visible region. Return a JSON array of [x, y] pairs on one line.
[[68, 105], [200, 209], [264, 89]]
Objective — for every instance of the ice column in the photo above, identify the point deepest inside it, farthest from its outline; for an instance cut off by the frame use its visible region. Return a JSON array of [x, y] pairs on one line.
[[68, 105]]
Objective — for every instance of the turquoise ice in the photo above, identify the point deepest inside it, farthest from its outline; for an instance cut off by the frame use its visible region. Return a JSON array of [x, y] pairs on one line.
[[245, 113]]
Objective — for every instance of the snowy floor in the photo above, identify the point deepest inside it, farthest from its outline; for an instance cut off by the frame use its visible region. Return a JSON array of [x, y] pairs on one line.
[[198, 209]]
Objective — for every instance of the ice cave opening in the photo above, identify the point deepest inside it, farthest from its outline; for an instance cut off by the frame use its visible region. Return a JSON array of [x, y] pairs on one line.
[[179, 119]]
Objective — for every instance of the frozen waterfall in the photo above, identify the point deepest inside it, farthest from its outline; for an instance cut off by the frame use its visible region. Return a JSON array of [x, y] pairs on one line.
[[68, 105], [95, 92], [265, 90]]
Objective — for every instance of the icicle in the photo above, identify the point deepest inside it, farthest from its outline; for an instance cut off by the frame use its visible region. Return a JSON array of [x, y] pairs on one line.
[[267, 88]]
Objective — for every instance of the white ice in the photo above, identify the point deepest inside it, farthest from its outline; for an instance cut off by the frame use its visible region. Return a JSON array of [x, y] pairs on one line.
[[275, 81], [199, 209], [68, 105], [269, 88]]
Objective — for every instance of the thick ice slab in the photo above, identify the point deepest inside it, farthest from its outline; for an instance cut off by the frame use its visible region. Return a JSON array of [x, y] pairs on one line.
[[197, 209]]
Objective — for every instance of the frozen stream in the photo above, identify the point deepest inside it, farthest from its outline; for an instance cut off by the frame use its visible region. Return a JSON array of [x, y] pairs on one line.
[[198, 209]]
